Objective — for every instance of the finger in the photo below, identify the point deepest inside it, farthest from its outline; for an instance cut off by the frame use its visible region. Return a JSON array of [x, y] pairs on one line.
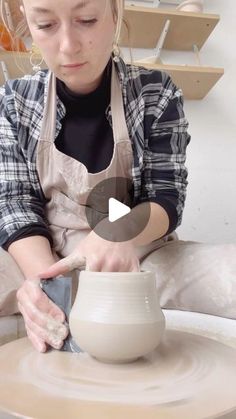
[[37, 303], [45, 323], [47, 306], [135, 265], [38, 344], [67, 264], [114, 264], [53, 333], [93, 264]]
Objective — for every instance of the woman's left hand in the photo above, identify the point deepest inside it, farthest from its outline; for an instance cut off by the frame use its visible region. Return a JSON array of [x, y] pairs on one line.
[[97, 254]]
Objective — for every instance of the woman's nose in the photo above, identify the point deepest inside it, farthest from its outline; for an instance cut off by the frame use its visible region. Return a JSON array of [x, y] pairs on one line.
[[69, 42]]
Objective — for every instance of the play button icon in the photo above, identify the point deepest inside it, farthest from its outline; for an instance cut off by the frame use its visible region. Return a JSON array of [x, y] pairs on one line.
[[111, 212], [117, 210]]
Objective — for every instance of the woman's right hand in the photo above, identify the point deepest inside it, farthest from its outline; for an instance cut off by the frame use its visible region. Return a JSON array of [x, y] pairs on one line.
[[43, 318]]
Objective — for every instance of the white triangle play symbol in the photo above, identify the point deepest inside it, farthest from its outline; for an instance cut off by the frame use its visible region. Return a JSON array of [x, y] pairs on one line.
[[117, 210]]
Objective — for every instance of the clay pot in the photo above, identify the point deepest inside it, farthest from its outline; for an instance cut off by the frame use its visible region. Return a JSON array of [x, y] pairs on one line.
[[116, 316], [195, 6]]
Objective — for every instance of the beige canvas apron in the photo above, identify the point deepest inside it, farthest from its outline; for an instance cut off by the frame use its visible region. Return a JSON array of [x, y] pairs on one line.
[[190, 276], [66, 182]]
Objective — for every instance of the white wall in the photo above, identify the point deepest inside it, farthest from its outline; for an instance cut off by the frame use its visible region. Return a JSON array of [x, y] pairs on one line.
[[210, 212]]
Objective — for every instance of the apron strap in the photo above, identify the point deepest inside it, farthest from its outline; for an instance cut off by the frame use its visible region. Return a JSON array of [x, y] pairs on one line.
[[50, 111], [120, 131]]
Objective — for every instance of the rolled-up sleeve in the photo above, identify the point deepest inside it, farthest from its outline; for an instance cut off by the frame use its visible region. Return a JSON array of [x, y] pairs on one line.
[[164, 175], [20, 201]]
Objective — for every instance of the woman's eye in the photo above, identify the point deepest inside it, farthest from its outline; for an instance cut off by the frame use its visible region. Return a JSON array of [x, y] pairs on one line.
[[47, 26], [88, 21]]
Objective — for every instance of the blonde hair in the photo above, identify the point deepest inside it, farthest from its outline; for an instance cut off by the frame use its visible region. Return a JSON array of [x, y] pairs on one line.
[[118, 11], [21, 28]]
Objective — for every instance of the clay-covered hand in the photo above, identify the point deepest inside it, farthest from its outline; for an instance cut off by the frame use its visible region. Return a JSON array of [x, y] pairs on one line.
[[43, 319], [97, 254]]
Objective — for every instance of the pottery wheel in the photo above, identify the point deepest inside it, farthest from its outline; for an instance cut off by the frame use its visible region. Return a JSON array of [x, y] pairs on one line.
[[188, 376]]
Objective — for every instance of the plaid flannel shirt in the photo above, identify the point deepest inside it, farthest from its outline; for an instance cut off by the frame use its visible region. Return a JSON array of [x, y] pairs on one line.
[[157, 128]]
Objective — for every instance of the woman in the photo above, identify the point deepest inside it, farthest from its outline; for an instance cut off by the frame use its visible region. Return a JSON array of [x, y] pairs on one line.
[[89, 118]]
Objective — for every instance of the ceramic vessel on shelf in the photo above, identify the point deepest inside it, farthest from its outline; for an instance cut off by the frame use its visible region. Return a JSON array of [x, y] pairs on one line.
[[195, 6], [116, 316]]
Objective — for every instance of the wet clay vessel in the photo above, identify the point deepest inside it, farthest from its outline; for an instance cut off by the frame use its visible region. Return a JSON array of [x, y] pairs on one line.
[[116, 316]]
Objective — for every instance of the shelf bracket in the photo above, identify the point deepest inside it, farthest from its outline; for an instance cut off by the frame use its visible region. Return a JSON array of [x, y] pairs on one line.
[[156, 58], [4, 70], [197, 54]]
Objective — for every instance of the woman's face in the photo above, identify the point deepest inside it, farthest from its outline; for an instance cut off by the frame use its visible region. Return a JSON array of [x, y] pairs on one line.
[[75, 38]]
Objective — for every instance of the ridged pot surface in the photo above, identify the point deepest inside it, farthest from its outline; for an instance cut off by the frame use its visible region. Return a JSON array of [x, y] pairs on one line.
[[116, 316]]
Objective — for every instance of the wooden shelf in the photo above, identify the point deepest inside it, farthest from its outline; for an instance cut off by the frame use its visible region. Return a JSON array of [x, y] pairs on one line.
[[195, 81], [18, 64], [186, 29]]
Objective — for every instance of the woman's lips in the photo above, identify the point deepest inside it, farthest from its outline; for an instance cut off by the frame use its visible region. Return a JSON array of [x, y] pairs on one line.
[[76, 65]]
